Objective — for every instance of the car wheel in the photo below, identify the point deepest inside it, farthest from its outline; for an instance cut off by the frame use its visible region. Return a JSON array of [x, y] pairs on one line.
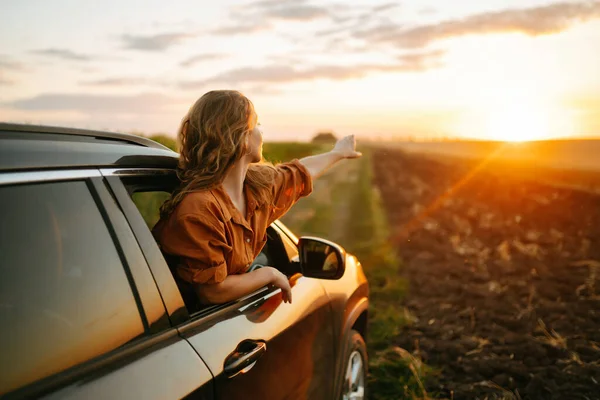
[[355, 373]]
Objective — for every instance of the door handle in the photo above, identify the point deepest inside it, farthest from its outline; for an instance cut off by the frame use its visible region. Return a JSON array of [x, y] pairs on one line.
[[244, 357]]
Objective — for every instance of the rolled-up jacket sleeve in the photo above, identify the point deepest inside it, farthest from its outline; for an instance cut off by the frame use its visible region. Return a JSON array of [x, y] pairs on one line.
[[292, 181], [200, 242]]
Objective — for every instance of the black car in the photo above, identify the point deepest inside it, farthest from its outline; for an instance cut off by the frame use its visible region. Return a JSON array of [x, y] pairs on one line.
[[89, 307]]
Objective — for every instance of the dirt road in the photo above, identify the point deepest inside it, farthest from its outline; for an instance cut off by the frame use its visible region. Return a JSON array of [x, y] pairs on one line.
[[504, 278]]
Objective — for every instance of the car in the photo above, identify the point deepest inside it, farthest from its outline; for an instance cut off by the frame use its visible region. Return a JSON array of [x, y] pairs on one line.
[[89, 307]]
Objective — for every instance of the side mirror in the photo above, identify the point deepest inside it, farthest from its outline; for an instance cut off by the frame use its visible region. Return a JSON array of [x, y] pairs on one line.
[[321, 258]]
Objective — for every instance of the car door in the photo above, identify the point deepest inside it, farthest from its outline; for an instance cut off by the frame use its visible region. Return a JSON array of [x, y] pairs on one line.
[[268, 348], [258, 346], [80, 314]]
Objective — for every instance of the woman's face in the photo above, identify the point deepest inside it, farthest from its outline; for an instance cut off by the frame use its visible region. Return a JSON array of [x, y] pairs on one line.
[[255, 140]]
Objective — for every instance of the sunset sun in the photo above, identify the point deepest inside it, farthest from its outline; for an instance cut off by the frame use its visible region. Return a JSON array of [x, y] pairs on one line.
[[510, 114], [517, 124]]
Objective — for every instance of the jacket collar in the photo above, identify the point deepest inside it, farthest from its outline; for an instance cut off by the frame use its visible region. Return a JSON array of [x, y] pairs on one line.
[[230, 212]]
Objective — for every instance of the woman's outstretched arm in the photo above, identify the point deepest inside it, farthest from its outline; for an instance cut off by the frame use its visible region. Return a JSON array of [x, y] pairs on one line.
[[344, 148], [236, 286]]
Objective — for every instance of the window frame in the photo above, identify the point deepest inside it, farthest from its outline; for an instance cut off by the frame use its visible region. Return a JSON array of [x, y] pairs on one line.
[[178, 313], [138, 273], [172, 299], [136, 348], [281, 254], [287, 236], [287, 233]]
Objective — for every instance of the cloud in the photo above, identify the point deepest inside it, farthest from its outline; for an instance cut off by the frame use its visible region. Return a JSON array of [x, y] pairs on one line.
[[384, 7], [261, 15], [120, 81], [6, 82], [286, 9], [147, 103], [367, 15], [259, 90], [288, 58], [296, 12], [87, 69], [154, 42], [62, 54], [10, 65], [332, 31], [264, 12], [422, 60], [533, 21], [242, 28], [201, 57], [427, 11], [274, 3], [341, 46], [286, 74]]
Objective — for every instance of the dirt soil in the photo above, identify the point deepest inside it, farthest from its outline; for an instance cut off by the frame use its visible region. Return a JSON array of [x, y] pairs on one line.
[[504, 278]]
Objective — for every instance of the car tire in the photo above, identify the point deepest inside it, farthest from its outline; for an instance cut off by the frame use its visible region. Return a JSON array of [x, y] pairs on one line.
[[354, 385]]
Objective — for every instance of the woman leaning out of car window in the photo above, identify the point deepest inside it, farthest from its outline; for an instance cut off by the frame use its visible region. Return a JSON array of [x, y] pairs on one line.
[[215, 223]]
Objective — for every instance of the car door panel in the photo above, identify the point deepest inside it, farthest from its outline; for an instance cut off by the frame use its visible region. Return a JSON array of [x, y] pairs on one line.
[[298, 345], [173, 371], [346, 308]]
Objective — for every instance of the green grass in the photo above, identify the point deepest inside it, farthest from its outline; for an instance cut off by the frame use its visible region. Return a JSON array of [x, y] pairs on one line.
[[277, 152], [368, 233], [393, 373], [396, 374], [363, 231]]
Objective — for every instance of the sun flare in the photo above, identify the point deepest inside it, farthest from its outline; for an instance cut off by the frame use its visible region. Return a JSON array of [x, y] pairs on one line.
[[517, 118], [517, 124]]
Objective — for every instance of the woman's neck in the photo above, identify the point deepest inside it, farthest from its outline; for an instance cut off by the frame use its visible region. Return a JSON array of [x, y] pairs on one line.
[[234, 182]]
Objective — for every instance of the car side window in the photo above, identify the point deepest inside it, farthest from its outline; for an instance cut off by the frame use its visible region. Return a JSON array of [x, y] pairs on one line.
[[64, 294], [148, 203], [148, 192], [282, 251]]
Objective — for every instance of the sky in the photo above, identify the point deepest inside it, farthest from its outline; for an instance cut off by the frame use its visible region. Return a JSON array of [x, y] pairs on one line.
[[420, 69]]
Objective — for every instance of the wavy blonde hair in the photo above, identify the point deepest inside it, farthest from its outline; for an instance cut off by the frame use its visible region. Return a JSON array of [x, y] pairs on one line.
[[212, 138]]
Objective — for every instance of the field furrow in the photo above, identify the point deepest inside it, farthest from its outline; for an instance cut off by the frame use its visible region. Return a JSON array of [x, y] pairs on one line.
[[504, 278]]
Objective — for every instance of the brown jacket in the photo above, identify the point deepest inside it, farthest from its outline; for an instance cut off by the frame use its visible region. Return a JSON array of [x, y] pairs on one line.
[[211, 239]]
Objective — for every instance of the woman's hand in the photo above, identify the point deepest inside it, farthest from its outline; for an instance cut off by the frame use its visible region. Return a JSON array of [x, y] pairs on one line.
[[236, 286], [318, 164], [346, 147], [281, 281]]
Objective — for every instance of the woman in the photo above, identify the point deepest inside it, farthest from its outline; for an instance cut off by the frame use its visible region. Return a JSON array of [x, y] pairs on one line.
[[215, 224]]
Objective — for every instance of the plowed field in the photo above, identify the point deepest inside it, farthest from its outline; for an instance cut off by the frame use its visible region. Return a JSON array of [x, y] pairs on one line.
[[504, 278]]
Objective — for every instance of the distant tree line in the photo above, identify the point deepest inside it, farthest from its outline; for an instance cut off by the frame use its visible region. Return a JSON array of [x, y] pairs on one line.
[[324, 137], [165, 141]]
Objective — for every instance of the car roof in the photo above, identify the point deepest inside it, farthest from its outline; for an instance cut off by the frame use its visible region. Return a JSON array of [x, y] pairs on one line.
[[26, 147]]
